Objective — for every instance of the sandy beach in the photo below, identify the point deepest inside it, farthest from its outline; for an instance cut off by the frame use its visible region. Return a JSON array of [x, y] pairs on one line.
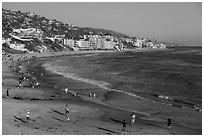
[[47, 107]]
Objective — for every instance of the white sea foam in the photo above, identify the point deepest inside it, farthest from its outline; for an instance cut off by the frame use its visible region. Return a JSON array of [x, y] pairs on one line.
[[86, 55], [61, 70]]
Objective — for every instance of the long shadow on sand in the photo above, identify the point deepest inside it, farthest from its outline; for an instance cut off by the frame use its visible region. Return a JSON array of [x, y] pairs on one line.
[[59, 119], [58, 112], [20, 119], [107, 130]]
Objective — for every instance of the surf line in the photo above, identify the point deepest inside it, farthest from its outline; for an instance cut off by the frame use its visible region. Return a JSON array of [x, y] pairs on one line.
[[100, 84]]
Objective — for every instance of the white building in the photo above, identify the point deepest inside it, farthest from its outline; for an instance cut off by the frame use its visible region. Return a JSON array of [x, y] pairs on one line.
[[69, 42], [83, 44], [18, 47], [28, 33], [109, 45]]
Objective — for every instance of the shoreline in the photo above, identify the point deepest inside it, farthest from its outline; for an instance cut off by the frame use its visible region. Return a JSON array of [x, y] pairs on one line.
[[100, 108]]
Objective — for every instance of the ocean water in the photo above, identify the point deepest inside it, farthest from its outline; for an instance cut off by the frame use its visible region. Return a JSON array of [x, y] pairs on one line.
[[172, 77]]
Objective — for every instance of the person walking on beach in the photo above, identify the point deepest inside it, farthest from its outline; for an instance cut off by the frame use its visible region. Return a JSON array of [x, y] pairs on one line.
[[124, 124], [90, 94], [32, 84], [93, 96], [7, 92], [67, 112], [66, 90], [27, 116], [169, 124], [20, 83], [133, 116]]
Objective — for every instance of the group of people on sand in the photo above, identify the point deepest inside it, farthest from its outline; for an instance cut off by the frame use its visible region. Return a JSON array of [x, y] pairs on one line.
[[11, 61], [34, 84], [124, 123], [92, 95], [132, 121], [67, 111]]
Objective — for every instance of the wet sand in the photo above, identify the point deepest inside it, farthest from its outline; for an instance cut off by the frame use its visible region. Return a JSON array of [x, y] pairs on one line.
[[47, 104]]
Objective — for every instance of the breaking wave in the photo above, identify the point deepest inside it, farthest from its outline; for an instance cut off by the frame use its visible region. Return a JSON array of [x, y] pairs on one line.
[[104, 85]]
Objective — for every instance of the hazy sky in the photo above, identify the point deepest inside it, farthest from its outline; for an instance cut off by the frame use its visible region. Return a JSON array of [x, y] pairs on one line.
[[171, 22]]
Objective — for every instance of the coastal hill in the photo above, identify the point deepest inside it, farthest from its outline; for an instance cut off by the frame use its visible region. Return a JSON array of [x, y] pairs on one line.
[[29, 32], [17, 19]]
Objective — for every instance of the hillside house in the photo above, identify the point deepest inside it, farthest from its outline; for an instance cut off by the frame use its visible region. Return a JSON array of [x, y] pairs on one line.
[[18, 46], [28, 33]]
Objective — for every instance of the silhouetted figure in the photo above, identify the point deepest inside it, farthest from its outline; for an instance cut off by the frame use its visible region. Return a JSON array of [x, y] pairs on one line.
[[7, 92], [20, 83], [124, 124], [169, 124]]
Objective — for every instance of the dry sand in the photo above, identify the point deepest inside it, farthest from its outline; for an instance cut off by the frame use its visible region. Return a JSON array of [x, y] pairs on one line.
[[47, 115]]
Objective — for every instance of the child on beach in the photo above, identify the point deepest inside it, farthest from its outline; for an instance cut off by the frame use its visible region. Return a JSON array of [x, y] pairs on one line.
[[124, 124], [169, 124], [27, 116], [132, 118], [67, 112]]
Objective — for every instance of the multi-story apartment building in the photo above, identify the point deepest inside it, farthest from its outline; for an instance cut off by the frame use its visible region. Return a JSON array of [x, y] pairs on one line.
[[83, 44], [93, 42], [69, 42]]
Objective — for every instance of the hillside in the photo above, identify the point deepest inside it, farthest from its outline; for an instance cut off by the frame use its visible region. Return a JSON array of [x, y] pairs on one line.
[[30, 32], [17, 19]]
